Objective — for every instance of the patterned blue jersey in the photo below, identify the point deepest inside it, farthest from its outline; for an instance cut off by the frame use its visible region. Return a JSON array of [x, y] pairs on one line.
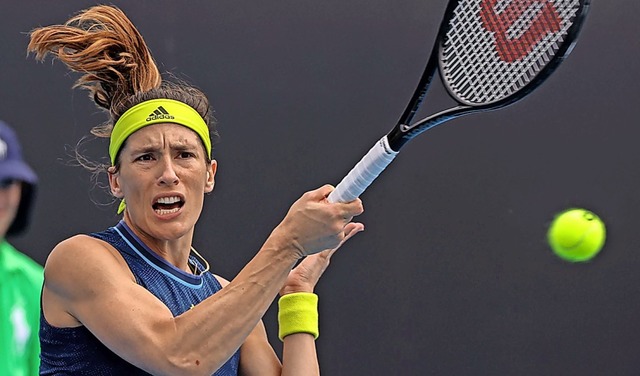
[[75, 351]]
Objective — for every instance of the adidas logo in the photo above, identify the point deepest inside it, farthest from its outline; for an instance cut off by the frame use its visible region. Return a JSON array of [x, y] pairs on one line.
[[160, 113]]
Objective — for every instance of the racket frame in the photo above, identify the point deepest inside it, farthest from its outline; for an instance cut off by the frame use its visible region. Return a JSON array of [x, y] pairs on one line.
[[404, 131], [385, 150]]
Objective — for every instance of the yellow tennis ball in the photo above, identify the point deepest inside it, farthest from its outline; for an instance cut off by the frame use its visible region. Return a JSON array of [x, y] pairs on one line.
[[576, 235]]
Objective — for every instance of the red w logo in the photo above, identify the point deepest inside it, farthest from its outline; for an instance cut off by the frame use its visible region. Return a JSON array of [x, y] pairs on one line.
[[512, 49]]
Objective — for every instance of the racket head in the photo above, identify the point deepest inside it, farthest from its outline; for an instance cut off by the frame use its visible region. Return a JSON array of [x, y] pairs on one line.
[[482, 71], [492, 53]]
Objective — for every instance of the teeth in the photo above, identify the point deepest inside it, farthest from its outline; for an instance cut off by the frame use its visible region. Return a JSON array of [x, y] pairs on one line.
[[165, 212], [168, 200]]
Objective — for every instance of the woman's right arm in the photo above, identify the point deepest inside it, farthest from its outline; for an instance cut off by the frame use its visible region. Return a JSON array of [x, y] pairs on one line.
[[86, 282]]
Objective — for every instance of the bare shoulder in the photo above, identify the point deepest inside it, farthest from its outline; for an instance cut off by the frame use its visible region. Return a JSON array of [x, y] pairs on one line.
[[79, 250], [79, 258], [75, 244]]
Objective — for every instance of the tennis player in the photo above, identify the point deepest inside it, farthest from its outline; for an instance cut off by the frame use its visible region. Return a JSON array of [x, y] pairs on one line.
[[137, 298]]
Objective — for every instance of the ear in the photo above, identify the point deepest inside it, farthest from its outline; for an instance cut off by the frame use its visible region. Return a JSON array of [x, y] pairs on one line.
[[114, 183], [211, 176]]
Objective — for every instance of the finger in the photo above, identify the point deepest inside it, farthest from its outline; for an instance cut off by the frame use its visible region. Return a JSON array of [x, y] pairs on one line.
[[329, 252], [318, 194], [349, 210], [316, 259], [354, 207], [350, 230], [324, 191]]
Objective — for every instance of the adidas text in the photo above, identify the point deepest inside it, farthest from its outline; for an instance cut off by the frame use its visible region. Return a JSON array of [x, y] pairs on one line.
[[162, 116]]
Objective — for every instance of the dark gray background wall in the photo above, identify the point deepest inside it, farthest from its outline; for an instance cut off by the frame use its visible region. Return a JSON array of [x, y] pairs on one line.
[[452, 275]]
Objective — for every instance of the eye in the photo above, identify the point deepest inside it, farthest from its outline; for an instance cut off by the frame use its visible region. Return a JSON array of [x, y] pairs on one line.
[[186, 155], [145, 157]]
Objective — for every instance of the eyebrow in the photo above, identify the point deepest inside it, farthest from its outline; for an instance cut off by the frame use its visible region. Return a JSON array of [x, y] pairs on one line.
[[178, 146]]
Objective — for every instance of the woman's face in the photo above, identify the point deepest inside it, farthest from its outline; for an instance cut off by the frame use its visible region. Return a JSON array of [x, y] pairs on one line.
[[10, 193], [163, 177]]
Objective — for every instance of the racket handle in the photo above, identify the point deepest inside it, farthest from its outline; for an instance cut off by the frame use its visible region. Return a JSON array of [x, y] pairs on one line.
[[364, 173]]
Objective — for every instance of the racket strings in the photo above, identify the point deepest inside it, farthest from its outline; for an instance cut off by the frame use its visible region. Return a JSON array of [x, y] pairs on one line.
[[495, 48]]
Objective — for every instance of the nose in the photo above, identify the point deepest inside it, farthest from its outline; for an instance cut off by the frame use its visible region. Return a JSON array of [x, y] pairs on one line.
[[168, 174]]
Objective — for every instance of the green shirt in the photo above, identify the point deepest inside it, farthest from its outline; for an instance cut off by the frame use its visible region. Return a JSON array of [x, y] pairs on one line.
[[20, 287]]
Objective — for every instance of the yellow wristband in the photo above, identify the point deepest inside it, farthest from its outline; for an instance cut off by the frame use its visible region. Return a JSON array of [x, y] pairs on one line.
[[298, 313]]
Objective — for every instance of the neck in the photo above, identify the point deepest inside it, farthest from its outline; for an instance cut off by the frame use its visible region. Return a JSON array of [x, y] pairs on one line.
[[175, 251]]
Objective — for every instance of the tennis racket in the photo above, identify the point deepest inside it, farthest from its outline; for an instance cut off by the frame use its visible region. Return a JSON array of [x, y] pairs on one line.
[[490, 54]]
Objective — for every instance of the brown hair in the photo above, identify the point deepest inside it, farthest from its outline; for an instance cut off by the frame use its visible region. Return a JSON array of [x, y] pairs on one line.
[[118, 69]]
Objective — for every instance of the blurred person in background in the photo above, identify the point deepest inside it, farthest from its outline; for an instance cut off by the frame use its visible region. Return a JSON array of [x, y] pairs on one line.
[[20, 277]]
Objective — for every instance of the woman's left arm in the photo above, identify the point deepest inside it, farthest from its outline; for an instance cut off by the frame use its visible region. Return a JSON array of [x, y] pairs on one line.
[[299, 356]]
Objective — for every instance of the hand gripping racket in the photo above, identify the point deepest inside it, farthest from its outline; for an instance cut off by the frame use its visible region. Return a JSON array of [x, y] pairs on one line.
[[489, 53]]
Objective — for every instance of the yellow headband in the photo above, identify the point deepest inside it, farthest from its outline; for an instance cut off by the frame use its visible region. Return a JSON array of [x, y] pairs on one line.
[[153, 112]]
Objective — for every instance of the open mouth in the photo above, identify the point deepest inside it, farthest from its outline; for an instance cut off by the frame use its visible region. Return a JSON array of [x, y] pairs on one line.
[[168, 205]]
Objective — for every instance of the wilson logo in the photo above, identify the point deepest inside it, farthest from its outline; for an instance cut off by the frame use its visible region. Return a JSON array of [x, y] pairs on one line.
[[511, 48], [160, 113]]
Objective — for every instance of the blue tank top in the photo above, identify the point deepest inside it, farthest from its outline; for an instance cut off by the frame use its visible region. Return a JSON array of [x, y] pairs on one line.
[[76, 351]]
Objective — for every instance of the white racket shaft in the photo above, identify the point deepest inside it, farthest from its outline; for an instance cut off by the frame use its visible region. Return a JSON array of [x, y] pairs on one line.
[[364, 173]]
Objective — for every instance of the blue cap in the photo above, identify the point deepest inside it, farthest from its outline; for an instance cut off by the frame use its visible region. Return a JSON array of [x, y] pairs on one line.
[[13, 167]]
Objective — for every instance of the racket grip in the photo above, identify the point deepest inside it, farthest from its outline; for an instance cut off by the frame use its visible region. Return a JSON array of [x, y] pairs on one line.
[[364, 173]]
